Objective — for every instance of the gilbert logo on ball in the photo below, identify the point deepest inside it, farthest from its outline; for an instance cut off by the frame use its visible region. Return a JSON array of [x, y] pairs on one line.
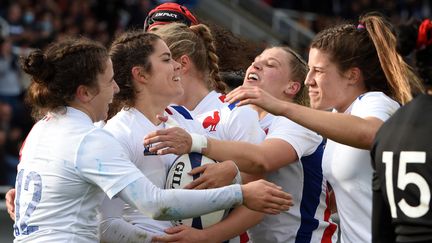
[[178, 177]]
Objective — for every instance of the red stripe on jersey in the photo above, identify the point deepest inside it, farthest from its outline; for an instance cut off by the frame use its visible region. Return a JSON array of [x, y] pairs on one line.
[[168, 111], [222, 98], [244, 238], [331, 229]]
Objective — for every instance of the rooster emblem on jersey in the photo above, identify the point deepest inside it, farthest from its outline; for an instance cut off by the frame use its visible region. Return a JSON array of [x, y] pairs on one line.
[[212, 121]]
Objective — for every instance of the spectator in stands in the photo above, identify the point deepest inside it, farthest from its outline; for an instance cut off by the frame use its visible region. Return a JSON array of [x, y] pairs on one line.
[[10, 86]]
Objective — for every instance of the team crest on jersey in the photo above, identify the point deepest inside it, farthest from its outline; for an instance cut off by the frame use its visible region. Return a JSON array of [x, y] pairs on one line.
[[211, 121]]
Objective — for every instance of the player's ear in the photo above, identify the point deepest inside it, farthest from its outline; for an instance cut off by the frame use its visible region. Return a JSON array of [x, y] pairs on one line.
[[84, 93], [292, 88], [185, 63], [139, 74]]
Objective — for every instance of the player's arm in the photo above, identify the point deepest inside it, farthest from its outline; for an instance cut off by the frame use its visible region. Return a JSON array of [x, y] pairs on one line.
[[267, 156], [114, 229], [343, 128], [237, 222], [166, 204]]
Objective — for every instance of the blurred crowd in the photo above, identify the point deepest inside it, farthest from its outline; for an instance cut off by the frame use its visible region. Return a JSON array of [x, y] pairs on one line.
[[350, 9]]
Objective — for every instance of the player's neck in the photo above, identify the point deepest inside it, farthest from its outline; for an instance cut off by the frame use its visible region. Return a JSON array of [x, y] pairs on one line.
[[192, 98], [150, 108], [261, 112]]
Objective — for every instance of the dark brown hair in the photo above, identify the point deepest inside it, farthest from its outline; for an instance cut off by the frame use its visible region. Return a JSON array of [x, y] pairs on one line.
[[129, 50], [60, 70], [370, 46]]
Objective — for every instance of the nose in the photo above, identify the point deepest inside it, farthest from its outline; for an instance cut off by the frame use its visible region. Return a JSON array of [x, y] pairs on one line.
[[309, 79], [257, 65], [116, 87], [177, 65]]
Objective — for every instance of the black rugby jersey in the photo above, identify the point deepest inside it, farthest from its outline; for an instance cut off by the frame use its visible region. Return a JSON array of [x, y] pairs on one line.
[[402, 182]]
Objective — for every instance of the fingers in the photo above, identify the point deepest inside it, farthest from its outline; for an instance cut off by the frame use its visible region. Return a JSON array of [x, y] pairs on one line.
[[198, 170], [173, 235], [162, 118], [10, 198], [239, 94], [175, 229], [196, 184]]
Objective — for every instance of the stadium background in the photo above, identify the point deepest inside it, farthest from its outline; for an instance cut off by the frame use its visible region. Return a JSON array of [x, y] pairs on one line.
[[28, 24]]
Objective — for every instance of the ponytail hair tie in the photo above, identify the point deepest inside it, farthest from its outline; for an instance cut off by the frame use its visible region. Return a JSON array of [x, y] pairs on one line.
[[424, 37], [360, 26]]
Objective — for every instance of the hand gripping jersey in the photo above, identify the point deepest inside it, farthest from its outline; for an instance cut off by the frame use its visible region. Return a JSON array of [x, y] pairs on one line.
[[349, 171], [309, 219], [67, 166], [402, 158], [129, 127]]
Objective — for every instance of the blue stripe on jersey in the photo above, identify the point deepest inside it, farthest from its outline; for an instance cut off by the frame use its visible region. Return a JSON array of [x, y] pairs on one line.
[[313, 176], [233, 105], [182, 111], [195, 160]]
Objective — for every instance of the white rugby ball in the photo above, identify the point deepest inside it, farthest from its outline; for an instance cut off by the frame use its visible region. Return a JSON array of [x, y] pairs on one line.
[[178, 177]]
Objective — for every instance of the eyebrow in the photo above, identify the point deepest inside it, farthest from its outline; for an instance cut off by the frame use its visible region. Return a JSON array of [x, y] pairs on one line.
[[259, 58], [318, 67], [274, 59], [165, 54]]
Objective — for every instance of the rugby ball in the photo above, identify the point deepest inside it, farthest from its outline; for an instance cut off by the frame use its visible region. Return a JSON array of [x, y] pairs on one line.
[[178, 177]]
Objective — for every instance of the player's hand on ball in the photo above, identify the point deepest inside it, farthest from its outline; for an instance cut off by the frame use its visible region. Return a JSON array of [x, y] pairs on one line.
[[174, 140], [213, 175], [266, 197], [183, 234], [10, 198]]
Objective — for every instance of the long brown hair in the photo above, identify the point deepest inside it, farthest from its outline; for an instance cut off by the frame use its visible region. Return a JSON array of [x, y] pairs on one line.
[[371, 46]]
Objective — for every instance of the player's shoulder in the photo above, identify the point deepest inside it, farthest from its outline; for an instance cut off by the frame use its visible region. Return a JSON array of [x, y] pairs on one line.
[[179, 112]]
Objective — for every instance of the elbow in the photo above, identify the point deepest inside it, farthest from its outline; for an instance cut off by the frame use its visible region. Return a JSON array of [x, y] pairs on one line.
[[260, 166], [366, 140], [163, 213]]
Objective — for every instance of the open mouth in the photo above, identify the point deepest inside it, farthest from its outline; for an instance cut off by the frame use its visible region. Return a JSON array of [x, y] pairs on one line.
[[253, 76]]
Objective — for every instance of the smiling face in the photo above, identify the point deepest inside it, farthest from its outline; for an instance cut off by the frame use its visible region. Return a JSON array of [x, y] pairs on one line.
[[327, 86], [270, 71], [107, 88], [164, 77]]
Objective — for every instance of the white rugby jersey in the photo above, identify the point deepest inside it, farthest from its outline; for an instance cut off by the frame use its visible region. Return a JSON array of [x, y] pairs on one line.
[[225, 121], [349, 171], [129, 127], [67, 166], [309, 219]]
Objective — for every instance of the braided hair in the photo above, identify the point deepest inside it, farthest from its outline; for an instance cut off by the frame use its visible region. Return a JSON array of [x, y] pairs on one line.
[[198, 43]]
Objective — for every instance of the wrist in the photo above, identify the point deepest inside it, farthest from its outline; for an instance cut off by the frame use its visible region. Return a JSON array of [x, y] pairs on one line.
[[237, 179], [199, 142]]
